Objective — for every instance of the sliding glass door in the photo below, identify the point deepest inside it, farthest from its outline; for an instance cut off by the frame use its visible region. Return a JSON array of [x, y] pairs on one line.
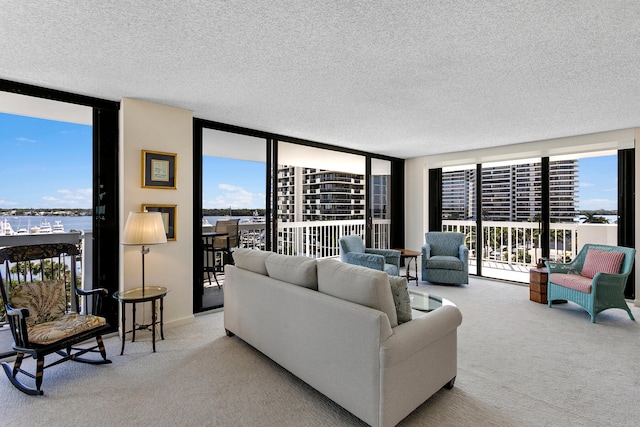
[[233, 202], [531, 209], [321, 196]]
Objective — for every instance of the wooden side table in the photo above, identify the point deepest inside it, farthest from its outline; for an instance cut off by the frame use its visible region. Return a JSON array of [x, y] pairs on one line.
[[408, 255], [538, 278]]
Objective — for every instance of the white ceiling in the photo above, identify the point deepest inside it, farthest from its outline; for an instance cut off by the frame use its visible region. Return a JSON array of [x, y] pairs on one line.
[[399, 78]]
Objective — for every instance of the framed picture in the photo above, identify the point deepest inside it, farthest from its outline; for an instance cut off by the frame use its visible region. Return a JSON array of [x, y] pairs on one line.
[[158, 170], [168, 213]]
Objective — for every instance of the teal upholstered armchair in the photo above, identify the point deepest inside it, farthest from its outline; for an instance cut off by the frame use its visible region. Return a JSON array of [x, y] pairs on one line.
[[445, 258], [352, 251], [595, 279]]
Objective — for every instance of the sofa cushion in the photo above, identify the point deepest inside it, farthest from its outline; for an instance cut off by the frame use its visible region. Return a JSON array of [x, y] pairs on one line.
[[400, 293], [598, 261], [298, 270], [46, 301], [445, 262], [357, 284], [252, 260], [572, 281]]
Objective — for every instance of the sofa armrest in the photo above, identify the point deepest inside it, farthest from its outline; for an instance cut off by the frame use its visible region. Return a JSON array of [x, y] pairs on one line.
[[391, 256], [411, 337], [426, 251], [567, 268], [366, 260], [463, 253], [610, 280]]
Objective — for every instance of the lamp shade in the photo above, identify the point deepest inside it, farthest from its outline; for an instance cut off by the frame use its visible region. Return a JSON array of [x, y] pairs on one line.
[[144, 228]]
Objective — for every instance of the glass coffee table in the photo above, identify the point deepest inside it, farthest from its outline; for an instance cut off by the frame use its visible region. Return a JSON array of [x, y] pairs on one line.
[[423, 301]]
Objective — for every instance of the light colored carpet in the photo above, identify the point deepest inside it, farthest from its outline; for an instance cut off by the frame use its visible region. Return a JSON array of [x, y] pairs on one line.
[[519, 364]]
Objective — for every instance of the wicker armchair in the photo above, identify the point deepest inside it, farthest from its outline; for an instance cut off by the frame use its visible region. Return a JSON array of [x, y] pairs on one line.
[[595, 279], [352, 251]]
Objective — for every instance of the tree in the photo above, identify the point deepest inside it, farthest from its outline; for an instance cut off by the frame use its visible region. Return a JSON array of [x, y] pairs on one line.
[[592, 218]]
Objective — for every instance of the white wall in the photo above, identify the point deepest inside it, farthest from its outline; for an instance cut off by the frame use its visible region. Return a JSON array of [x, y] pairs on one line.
[[148, 126], [416, 174]]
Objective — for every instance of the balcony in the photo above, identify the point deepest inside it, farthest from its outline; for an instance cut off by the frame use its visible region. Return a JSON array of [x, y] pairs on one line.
[[510, 249]]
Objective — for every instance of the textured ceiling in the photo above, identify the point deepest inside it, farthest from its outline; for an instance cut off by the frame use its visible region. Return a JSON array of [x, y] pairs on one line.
[[399, 78]]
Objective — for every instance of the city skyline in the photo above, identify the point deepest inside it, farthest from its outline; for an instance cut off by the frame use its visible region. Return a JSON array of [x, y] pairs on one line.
[[51, 168]]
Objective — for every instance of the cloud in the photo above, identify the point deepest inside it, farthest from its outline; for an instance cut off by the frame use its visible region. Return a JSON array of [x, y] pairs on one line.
[[593, 204], [65, 198], [8, 203], [23, 139], [235, 197], [586, 184]]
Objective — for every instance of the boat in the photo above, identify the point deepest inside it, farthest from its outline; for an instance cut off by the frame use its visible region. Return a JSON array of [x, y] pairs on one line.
[[57, 227], [255, 219], [45, 227], [5, 228], [206, 226]]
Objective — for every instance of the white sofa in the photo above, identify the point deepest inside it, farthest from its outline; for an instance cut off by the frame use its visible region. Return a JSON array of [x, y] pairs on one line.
[[300, 313]]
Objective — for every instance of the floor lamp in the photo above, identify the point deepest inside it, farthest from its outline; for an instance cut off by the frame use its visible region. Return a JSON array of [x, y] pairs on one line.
[[144, 228]]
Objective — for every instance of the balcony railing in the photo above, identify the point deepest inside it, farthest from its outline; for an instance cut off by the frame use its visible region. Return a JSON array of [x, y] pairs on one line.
[[319, 239], [514, 246], [84, 242]]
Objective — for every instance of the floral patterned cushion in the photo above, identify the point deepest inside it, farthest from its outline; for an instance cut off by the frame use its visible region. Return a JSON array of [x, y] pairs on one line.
[[46, 301], [68, 325]]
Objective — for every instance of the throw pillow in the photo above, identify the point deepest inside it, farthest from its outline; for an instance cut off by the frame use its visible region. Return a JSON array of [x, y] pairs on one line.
[[251, 259], [298, 270], [601, 261], [401, 298], [360, 285], [46, 301]]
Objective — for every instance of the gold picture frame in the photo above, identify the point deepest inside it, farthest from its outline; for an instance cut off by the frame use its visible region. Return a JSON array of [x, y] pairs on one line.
[[169, 217], [159, 170]]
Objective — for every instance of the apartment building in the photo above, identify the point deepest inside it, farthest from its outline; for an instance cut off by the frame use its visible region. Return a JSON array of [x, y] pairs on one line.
[[512, 192]]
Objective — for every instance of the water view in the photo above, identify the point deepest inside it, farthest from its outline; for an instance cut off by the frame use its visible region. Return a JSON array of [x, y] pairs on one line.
[[38, 224]]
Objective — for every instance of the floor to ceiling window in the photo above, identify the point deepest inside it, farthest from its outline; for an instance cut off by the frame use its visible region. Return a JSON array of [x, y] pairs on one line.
[[233, 190], [459, 213], [583, 202], [47, 176], [379, 203], [321, 196], [291, 197], [581, 207]]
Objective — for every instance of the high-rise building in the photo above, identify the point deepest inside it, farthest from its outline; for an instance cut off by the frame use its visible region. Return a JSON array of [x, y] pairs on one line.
[[308, 194], [512, 192]]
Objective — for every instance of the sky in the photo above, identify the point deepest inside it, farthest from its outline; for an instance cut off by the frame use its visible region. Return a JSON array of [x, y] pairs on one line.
[[235, 184], [47, 164], [598, 188]]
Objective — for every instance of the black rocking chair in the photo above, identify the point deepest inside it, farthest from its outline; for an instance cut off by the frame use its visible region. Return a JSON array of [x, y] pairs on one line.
[[42, 306]]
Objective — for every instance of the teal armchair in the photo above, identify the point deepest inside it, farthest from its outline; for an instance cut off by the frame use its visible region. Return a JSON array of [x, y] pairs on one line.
[[445, 258], [352, 251], [595, 279]]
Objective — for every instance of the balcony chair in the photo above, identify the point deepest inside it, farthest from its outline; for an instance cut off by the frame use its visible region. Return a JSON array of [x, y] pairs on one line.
[[352, 251], [42, 306], [220, 247], [445, 258], [595, 279]]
